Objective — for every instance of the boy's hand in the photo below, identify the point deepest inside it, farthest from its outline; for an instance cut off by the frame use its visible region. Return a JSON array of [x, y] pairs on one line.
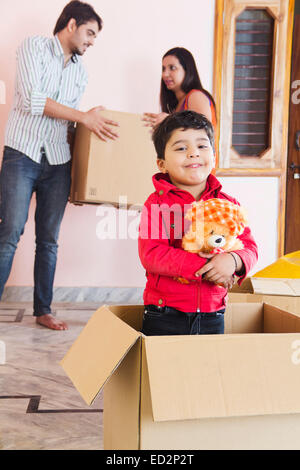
[[98, 124], [219, 269]]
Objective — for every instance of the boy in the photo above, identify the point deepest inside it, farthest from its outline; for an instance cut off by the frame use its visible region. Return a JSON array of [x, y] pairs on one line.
[[184, 144]]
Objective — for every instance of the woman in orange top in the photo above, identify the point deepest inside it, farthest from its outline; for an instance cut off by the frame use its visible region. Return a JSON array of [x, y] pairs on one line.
[[181, 88]]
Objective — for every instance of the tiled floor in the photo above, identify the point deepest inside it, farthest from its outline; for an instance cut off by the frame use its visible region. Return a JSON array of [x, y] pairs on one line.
[[39, 406]]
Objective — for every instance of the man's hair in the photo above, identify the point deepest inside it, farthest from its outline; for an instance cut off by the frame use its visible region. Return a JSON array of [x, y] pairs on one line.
[[181, 120], [82, 14]]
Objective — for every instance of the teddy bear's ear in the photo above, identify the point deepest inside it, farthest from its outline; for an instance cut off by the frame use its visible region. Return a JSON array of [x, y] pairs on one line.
[[194, 211], [242, 213], [241, 219]]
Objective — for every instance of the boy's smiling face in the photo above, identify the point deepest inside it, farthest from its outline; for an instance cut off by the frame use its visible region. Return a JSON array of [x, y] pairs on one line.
[[189, 159]]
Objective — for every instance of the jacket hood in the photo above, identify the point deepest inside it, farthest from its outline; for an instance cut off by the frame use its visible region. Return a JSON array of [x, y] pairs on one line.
[[162, 182]]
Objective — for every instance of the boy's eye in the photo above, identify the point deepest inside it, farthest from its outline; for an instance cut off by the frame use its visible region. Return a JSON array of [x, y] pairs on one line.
[[180, 149]]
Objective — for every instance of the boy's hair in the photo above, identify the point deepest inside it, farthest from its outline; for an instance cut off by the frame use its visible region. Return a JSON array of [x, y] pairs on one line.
[[180, 120], [82, 14]]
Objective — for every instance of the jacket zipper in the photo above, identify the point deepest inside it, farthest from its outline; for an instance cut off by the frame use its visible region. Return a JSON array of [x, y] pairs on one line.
[[198, 296]]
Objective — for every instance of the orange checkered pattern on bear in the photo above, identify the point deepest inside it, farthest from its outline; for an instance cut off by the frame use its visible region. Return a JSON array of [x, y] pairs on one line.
[[220, 211]]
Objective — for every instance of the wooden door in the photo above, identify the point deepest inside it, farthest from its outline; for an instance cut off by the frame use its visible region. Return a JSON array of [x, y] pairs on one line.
[[292, 218]]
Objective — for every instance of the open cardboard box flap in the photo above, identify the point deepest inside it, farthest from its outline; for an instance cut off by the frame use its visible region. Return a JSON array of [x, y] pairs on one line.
[[97, 352], [222, 375], [244, 373], [276, 286]]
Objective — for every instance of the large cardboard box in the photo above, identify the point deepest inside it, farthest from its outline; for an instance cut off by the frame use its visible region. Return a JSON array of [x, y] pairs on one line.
[[239, 390], [277, 292], [102, 172]]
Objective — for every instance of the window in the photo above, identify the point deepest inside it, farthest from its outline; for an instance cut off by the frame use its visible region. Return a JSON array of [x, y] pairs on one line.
[[251, 124], [251, 85]]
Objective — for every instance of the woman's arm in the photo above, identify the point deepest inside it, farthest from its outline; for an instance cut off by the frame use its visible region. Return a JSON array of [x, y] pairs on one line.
[[199, 102]]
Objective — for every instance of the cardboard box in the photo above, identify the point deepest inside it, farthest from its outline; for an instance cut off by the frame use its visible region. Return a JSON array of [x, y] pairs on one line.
[[104, 171], [239, 390], [272, 291]]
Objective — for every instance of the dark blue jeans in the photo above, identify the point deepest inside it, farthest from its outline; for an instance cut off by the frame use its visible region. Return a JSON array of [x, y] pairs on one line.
[[160, 321], [20, 177]]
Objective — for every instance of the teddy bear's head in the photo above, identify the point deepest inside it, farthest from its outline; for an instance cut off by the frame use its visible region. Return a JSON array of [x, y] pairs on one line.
[[215, 225]]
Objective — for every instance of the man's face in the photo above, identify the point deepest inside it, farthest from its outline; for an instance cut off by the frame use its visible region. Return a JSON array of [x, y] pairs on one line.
[[83, 37]]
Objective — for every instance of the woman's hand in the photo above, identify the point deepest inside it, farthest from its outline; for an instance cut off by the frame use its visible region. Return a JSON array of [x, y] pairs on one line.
[[152, 119]]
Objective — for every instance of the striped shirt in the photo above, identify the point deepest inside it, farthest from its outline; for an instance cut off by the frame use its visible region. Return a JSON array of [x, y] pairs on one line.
[[41, 74]]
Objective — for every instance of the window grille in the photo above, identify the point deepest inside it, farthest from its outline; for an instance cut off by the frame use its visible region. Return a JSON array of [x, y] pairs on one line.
[[254, 32]]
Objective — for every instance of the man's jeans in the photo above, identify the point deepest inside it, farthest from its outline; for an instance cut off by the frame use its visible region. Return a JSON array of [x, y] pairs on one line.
[[20, 177], [159, 321]]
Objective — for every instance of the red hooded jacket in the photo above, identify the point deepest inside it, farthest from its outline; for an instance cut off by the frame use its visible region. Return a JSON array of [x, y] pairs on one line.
[[161, 229]]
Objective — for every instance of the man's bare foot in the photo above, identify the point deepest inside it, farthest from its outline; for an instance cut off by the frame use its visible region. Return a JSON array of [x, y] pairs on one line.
[[49, 321]]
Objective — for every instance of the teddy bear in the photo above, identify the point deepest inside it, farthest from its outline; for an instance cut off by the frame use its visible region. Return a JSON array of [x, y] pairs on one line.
[[214, 228]]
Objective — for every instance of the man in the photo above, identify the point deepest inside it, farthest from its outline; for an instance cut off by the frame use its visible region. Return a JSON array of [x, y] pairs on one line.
[[50, 81]]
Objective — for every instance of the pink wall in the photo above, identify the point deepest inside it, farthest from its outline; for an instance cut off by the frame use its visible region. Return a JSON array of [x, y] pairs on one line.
[[124, 69]]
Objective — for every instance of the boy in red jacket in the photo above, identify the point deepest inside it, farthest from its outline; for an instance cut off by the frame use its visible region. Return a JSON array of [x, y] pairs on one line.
[[184, 144]]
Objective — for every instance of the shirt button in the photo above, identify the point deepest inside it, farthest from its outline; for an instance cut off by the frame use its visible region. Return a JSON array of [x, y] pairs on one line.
[[160, 302], [161, 192]]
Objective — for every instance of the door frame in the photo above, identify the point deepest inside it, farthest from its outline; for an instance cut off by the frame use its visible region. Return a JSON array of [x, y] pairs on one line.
[[278, 172], [291, 136]]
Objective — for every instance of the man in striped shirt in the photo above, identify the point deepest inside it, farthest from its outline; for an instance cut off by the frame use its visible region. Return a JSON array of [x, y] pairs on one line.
[[50, 81]]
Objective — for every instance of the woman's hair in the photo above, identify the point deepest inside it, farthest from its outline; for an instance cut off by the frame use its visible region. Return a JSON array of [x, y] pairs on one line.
[[168, 100], [81, 12]]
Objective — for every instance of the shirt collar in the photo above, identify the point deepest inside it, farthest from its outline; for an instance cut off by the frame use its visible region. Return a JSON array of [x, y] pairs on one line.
[[163, 184], [57, 47], [58, 51]]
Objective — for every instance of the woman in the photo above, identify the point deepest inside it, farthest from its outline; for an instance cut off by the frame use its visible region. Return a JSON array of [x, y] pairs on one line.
[[181, 88]]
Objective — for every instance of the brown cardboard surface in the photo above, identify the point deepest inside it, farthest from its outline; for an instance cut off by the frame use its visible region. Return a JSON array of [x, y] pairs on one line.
[[246, 287], [268, 286], [269, 432], [234, 391], [121, 413], [274, 286], [232, 433], [280, 321], [132, 315], [97, 352], [241, 318], [104, 171], [245, 293], [222, 375]]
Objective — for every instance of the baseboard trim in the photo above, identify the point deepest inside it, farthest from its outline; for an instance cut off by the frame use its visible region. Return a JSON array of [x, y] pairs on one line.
[[122, 295]]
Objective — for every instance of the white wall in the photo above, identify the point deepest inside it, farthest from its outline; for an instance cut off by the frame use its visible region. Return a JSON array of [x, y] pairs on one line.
[[124, 69], [259, 196]]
